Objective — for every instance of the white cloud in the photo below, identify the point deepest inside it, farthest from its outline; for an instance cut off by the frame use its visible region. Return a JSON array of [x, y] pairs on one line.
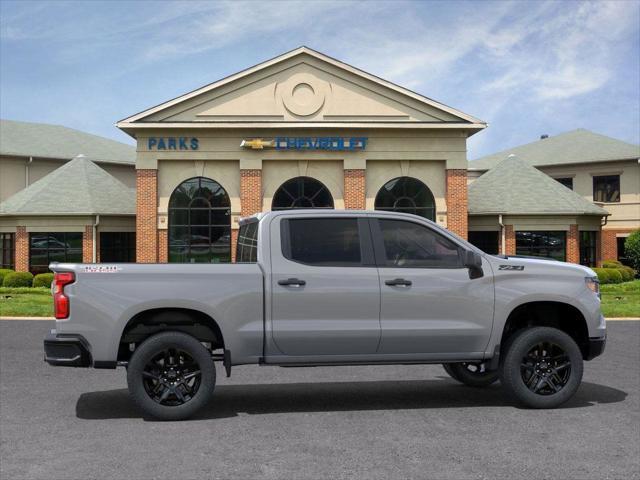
[[562, 53]]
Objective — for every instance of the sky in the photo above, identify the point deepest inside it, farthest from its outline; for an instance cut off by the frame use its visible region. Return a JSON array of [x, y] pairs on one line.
[[526, 68]]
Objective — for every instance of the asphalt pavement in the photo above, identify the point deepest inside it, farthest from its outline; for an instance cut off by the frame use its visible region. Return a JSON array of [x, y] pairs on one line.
[[374, 422]]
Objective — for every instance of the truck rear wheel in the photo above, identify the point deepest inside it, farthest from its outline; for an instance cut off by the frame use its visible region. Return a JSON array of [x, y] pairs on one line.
[[471, 374], [542, 367], [171, 376]]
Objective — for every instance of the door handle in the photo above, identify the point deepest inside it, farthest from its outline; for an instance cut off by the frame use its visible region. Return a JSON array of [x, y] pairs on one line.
[[398, 282], [292, 282]]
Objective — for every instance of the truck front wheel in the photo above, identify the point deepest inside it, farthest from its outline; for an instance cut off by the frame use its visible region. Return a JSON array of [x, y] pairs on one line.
[[542, 367], [171, 375], [471, 374]]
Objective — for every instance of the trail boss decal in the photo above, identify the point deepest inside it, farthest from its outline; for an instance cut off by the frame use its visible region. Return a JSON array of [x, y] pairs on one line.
[[101, 269], [511, 267]]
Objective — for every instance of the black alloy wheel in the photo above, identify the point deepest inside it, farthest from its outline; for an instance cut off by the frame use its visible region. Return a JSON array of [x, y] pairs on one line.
[[171, 375], [546, 368]]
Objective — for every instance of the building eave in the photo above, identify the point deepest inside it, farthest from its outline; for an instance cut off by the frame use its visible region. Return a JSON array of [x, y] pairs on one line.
[[131, 127]]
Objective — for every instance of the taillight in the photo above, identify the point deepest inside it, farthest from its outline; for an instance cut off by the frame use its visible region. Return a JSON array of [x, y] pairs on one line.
[[60, 300]]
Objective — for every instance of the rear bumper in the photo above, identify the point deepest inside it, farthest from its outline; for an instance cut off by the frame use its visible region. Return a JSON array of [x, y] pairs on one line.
[[67, 350], [595, 347]]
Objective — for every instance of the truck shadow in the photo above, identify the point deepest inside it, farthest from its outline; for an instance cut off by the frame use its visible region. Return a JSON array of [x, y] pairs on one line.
[[259, 399]]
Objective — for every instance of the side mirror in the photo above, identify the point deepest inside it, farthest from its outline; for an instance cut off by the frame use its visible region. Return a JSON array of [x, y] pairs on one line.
[[473, 261]]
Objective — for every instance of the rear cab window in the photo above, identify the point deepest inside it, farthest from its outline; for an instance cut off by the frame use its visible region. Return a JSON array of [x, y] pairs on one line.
[[247, 245]]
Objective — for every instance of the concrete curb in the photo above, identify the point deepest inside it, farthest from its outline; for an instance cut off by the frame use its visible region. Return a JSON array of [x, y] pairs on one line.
[[27, 318]]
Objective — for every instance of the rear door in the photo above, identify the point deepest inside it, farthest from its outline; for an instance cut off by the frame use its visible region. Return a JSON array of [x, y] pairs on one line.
[[429, 303], [325, 288]]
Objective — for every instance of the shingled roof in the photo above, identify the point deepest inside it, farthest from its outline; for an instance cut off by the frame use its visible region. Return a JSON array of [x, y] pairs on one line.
[[78, 187], [515, 187], [42, 140], [576, 146]]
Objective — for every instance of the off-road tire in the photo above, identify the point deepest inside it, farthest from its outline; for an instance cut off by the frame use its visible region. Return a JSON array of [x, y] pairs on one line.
[[199, 358], [520, 364], [461, 373]]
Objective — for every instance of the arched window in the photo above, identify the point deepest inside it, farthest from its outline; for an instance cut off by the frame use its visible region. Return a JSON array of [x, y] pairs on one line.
[[302, 192], [407, 195], [199, 222]]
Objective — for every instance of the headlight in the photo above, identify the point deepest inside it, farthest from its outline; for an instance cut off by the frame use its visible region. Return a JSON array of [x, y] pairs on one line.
[[593, 284]]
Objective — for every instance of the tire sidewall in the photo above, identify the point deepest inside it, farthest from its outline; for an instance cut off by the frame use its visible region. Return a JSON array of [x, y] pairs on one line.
[[520, 345], [143, 354]]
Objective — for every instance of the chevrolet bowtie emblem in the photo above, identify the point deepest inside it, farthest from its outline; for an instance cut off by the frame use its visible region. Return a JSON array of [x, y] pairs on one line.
[[257, 143]]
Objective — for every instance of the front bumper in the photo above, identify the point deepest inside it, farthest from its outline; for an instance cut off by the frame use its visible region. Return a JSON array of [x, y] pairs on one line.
[[67, 350], [595, 347]]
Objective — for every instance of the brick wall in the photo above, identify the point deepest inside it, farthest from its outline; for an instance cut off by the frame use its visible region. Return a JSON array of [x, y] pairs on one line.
[[234, 241], [22, 250], [146, 216], [609, 243], [573, 244], [163, 246], [250, 191], [457, 219], [509, 240], [87, 244], [354, 189]]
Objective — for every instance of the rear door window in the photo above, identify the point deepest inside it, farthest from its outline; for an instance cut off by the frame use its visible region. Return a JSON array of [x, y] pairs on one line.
[[323, 241]]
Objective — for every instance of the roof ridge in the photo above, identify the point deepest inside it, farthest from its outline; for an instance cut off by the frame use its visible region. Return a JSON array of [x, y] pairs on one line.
[[77, 187], [501, 190]]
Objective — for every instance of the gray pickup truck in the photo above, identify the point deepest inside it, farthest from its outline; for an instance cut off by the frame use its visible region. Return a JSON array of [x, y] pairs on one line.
[[327, 287]]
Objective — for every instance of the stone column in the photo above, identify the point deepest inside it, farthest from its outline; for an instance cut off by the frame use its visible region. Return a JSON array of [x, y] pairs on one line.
[[457, 213], [354, 189], [146, 216]]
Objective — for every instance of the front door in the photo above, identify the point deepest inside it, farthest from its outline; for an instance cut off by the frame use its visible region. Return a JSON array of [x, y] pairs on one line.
[[429, 305], [324, 284]]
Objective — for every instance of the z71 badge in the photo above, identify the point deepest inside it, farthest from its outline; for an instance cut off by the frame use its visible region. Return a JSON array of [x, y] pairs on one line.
[[511, 267]]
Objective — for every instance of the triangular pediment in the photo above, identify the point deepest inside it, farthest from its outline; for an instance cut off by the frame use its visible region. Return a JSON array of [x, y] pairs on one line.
[[299, 87]]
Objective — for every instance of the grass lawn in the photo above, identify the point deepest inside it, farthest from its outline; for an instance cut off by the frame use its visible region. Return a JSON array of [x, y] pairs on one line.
[[618, 300], [26, 302], [621, 299]]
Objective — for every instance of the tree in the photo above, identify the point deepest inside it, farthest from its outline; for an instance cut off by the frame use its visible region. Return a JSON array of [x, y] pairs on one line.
[[632, 249]]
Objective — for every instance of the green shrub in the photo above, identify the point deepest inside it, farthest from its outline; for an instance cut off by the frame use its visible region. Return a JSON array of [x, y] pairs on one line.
[[632, 249], [615, 276], [18, 279], [603, 275], [43, 280], [609, 275], [611, 264], [4, 272], [628, 273]]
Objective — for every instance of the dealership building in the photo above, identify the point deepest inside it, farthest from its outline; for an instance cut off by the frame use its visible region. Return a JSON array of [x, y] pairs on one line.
[[304, 130]]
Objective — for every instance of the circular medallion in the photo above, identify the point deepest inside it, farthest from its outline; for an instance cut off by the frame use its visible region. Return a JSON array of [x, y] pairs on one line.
[[303, 94]]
